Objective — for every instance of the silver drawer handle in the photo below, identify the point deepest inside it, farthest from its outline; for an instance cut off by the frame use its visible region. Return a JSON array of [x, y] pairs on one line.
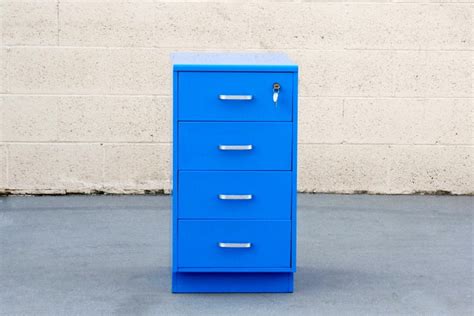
[[235, 196], [235, 147], [235, 245], [235, 97]]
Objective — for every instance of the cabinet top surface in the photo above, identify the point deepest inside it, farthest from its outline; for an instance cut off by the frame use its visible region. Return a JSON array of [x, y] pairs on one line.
[[229, 61]]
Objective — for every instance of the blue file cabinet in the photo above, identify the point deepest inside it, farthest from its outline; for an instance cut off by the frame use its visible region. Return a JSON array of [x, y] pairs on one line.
[[234, 172]]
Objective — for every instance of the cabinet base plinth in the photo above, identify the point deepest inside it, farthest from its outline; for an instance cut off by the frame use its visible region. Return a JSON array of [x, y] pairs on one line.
[[232, 282]]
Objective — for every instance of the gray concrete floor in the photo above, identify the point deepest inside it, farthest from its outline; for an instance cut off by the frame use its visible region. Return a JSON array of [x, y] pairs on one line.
[[109, 255]]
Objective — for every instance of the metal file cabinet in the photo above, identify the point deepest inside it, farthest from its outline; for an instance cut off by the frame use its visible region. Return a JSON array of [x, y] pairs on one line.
[[234, 172]]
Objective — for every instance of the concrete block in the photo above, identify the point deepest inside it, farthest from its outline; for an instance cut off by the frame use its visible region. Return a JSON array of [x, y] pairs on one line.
[[353, 25], [432, 169], [396, 169], [384, 73], [57, 70], [344, 73], [160, 24], [407, 26], [115, 119], [89, 71], [408, 121], [29, 22], [2, 125], [139, 71], [137, 166], [113, 1], [3, 167], [202, 25], [29, 118], [70, 167], [320, 120], [164, 117], [293, 25], [436, 1], [432, 74], [343, 168], [3, 70], [102, 23]]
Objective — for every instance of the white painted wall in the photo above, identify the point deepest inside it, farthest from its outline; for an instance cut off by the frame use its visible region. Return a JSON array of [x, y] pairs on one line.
[[386, 90]]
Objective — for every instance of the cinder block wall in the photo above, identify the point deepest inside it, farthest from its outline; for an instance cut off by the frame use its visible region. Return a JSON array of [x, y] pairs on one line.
[[386, 90]]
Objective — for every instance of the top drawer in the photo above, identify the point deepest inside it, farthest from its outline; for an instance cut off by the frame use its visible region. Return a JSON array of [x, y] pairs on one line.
[[234, 96]]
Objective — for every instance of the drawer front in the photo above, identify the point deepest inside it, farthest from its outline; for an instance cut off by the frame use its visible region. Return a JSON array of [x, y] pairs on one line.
[[210, 96], [234, 194], [234, 146], [233, 244]]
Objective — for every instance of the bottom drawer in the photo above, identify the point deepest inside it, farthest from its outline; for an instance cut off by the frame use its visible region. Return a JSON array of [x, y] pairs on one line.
[[234, 244]]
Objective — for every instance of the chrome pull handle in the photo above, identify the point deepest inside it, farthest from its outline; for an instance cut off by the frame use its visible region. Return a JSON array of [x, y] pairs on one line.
[[235, 196], [235, 147], [235, 244], [235, 97]]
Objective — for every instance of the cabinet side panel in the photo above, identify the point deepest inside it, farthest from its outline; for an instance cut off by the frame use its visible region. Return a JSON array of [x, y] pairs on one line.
[[294, 171], [174, 217]]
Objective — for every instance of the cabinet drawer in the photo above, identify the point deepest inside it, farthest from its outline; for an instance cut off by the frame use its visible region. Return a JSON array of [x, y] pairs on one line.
[[233, 244], [234, 194], [211, 96], [234, 146]]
